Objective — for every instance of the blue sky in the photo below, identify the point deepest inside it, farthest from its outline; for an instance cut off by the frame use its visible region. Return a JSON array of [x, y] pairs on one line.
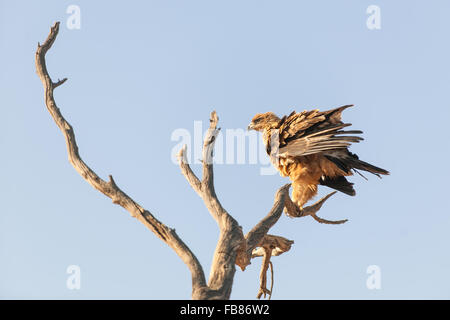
[[140, 70]]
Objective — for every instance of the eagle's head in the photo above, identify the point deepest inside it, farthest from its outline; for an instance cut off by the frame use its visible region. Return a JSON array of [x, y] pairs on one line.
[[263, 121]]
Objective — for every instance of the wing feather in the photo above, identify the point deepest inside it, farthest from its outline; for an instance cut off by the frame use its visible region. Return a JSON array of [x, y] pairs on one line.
[[311, 132]]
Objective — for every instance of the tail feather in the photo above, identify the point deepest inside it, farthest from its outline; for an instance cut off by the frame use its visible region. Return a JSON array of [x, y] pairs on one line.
[[338, 183], [355, 163], [347, 161]]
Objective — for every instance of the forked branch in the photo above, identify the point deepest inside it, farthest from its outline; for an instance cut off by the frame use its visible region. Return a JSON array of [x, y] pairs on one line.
[[256, 236], [232, 247], [110, 188], [269, 247]]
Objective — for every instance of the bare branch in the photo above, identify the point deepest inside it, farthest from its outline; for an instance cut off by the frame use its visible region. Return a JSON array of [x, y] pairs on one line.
[[59, 82], [255, 236], [263, 274], [270, 246], [110, 188], [187, 171], [278, 245], [231, 238], [271, 279], [293, 211], [325, 221], [258, 232], [205, 187]]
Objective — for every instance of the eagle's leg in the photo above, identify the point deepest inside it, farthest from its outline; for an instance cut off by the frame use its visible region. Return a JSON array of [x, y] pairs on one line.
[[302, 193]]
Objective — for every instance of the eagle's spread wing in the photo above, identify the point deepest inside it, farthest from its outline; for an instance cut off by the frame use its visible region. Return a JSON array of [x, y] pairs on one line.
[[311, 132], [311, 147]]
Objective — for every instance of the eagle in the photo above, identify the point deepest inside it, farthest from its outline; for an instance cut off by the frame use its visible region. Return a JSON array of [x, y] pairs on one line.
[[311, 148]]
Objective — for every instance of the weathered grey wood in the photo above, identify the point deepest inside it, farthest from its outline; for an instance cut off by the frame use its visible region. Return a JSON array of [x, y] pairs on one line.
[[110, 188], [233, 248], [255, 237]]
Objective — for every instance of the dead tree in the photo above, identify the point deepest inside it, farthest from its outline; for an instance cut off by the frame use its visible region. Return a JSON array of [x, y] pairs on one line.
[[233, 247]]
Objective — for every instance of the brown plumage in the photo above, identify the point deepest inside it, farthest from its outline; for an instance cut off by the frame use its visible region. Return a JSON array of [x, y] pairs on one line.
[[311, 148]]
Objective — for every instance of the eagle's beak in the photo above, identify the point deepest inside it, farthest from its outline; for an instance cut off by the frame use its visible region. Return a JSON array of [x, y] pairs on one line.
[[250, 126]]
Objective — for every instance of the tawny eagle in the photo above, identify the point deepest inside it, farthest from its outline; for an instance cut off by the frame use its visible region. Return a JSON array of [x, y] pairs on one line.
[[311, 148]]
